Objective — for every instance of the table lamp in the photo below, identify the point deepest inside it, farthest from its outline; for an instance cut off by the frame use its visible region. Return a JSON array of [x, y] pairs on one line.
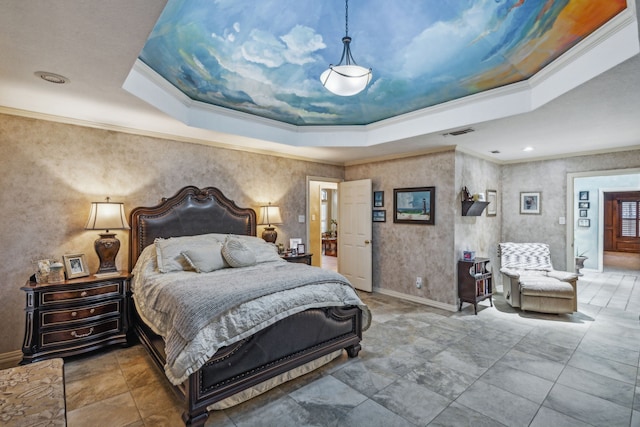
[[270, 215], [107, 216]]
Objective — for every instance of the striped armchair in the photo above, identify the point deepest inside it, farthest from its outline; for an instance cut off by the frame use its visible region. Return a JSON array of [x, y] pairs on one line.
[[531, 283]]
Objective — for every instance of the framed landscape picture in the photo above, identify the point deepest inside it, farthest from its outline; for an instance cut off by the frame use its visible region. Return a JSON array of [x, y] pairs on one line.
[[378, 199], [415, 205]]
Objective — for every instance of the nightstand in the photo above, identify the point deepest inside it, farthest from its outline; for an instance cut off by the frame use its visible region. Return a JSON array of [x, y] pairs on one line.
[[303, 258], [74, 316]]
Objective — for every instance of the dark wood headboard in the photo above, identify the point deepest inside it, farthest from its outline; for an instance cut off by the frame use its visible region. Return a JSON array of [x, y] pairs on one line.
[[190, 212]]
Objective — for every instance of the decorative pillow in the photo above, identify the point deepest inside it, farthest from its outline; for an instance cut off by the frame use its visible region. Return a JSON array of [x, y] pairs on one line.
[[264, 251], [206, 258], [237, 254], [169, 251]]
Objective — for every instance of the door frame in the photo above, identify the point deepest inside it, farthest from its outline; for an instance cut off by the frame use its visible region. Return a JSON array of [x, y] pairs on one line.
[[310, 178], [571, 200]]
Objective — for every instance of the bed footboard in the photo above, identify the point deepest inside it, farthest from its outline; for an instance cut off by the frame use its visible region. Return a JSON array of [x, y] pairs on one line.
[[287, 344]]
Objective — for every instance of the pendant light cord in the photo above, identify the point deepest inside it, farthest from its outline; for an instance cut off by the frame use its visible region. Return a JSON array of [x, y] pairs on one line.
[[346, 18]]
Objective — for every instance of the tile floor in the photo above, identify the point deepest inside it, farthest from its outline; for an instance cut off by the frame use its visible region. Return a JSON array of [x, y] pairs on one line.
[[420, 367]]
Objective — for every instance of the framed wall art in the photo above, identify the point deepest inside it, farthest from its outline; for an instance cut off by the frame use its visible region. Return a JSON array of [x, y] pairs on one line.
[[583, 213], [584, 223], [378, 199], [492, 207], [583, 195], [415, 205], [380, 216], [530, 203], [584, 205], [75, 265]]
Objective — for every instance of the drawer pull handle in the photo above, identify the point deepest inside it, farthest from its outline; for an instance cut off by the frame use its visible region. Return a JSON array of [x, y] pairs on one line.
[[84, 294], [74, 314], [93, 310], [74, 334]]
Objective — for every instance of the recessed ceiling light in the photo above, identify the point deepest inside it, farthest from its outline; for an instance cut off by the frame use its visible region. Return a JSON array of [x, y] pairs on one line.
[[52, 77], [528, 149]]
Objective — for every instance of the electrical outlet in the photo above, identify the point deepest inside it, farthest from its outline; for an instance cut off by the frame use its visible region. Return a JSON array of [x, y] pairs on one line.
[[418, 282]]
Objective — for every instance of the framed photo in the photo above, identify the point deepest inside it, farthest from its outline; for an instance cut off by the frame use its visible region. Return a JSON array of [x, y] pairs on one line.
[[380, 216], [583, 213], [414, 205], [293, 243], [530, 203], [492, 207], [75, 266], [323, 195], [584, 205], [300, 248], [378, 199], [583, 195], [584, 223]]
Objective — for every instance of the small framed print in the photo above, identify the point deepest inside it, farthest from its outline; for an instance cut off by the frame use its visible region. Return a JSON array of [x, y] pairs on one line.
[[584, 223], [492, 207], [583, 195], [583, 213], [75, 266], [584, 205], [380, 216], [378, 199], [530, 203], [300, 248]]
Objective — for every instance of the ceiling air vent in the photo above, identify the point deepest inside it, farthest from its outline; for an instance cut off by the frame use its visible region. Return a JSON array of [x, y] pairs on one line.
[[460, 132]]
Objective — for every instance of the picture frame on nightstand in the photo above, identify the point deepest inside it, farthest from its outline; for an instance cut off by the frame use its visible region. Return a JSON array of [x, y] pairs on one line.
[[75, 265]]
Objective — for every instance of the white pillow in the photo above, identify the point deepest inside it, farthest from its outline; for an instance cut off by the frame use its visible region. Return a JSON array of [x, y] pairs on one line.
[[264, 251], [205, 259], [237, 254], [169, 251]]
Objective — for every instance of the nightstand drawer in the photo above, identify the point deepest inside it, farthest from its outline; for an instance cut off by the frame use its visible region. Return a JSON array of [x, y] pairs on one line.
[[60, 317], [81, 333], [81, 294]]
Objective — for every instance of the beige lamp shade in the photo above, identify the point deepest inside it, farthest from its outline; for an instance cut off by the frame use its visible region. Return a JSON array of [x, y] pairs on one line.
[[270, 215], [107, 216]]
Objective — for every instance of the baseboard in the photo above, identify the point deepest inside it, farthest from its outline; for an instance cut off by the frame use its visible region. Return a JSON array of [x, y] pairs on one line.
[[11, 359], [419, 300]]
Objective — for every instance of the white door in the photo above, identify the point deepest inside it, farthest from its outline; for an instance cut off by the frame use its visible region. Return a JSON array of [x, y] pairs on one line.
[[354, 233]]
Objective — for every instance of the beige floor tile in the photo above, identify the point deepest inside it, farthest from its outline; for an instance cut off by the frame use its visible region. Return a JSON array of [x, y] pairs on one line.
[[116, 411], [85, 391], [156, 398]]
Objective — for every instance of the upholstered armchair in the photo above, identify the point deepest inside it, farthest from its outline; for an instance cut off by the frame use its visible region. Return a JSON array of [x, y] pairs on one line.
[[531, 283]]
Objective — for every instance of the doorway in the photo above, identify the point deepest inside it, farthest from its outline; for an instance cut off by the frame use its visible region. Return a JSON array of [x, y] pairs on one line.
[[322, 230], [621, 238], [590, 222]]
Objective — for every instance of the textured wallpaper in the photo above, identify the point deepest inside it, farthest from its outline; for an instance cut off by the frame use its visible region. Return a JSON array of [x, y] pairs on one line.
[[51, 172]]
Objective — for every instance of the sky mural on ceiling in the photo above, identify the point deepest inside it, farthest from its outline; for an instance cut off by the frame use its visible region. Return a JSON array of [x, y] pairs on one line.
[[265, 57]]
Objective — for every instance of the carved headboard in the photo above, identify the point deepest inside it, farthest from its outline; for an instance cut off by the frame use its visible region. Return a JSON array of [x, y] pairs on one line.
[[190, 212]]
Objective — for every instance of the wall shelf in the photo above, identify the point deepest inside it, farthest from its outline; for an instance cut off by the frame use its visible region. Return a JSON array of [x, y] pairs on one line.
[[471, 208]]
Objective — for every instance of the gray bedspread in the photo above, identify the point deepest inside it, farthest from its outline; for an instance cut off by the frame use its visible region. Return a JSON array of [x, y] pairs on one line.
[[193, 305]]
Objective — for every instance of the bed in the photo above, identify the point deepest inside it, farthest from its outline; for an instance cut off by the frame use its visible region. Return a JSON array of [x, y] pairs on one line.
[[250, 364]]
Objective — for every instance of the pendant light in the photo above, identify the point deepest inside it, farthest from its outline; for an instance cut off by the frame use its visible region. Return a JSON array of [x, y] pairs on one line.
[[350, 78]]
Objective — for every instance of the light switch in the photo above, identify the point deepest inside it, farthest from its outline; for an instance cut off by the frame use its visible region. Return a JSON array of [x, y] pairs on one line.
[[301, 219], [313, 217], [562, 220]]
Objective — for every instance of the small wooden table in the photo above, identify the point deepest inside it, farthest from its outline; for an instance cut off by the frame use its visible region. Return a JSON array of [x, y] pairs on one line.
[[330, 246]]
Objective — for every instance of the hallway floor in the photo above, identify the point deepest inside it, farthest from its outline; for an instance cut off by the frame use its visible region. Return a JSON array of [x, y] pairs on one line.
[[420, 366]]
